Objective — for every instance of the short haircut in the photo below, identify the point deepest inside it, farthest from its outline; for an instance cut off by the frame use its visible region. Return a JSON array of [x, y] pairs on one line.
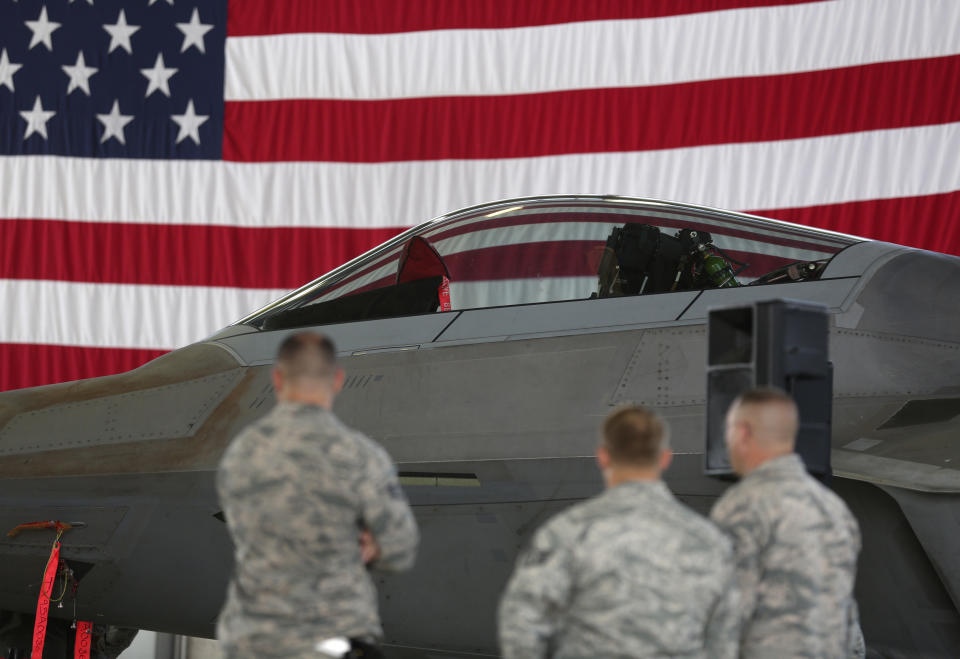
[[634, 435], [780, 427], [764, 395], [307, 356]]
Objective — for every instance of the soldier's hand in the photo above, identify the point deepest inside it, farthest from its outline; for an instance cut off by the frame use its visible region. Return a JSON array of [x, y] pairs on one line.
[[369, 549]]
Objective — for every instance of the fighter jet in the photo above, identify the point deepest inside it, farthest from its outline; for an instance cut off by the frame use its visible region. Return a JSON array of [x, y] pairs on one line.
[[483, 349]]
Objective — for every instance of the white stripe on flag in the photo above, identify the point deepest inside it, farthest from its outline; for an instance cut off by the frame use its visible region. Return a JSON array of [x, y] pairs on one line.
[[595, 54], [120, 315], [883, 164]]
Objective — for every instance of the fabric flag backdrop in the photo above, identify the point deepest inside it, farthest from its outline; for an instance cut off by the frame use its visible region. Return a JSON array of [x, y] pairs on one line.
[[167, 166]]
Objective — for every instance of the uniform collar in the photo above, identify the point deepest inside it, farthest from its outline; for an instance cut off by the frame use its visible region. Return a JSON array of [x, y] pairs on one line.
[[297, 408], [784, 465], [633, 488]]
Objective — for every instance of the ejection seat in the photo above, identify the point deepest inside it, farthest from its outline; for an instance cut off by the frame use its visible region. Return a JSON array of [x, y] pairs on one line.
[[640, 259]]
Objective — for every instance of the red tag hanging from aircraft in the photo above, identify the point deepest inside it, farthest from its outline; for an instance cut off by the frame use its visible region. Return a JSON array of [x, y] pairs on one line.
[[43, 603], [83, 641]]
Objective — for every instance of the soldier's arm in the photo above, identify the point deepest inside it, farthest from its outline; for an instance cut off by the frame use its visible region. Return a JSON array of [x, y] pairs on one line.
[[858, 645], [742, 520], [723, 628], [538, 590], [384, 511]]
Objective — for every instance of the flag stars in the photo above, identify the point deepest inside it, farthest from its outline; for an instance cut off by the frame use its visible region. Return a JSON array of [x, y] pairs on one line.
[[120, 33], [114, 123], [7, 69], [158, 77], [79, 75], [36, 119], [189, 123], [42, 29], [193, 32], [98, 121]]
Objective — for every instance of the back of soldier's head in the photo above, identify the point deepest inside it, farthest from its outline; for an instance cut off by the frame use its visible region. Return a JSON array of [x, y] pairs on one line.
[[635, 436], [771, 414], [307, 359]]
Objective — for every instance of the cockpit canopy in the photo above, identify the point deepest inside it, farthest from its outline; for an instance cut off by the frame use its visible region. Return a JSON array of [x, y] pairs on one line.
[[550, 249]]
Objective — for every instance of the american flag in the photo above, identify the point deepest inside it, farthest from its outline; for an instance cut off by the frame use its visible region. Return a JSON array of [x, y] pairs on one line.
[[167, 166]]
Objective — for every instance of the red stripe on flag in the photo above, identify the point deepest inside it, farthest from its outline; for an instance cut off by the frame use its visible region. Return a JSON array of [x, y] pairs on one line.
[[732, 110], [31, 365], [254, 17], [930, 222], [177, 254]]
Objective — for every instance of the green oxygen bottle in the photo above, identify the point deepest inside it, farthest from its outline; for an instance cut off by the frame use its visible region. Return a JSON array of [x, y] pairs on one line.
[[717, 269]]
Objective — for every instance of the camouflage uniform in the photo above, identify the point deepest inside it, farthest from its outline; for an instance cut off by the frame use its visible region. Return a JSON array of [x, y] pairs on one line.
[[296, 487], [796, 546], [629, 573]]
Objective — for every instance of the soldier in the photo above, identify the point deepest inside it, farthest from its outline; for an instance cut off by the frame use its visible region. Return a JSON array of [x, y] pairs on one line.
[[629, 573], [796, 543], [309, 503]]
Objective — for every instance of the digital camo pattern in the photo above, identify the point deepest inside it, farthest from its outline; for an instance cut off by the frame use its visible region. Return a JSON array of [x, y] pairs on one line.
[[296, 487], [629, 573], [796, 545]]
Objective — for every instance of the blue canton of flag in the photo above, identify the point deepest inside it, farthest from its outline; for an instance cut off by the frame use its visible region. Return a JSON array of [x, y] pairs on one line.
[[108, 78]]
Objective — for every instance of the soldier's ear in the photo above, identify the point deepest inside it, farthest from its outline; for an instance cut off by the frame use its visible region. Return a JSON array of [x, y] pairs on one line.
[[736, 432], [666, 457], [338, 379], [603, 457], [277, 378]]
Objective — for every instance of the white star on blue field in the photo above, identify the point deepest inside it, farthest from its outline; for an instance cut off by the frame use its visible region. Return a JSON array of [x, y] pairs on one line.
[[112, 78]]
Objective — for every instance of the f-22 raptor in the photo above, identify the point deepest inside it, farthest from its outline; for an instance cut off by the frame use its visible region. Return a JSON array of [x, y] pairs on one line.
[[483, 348]]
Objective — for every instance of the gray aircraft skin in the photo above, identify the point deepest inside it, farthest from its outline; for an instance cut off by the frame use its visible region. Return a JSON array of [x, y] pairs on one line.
[[491, 411]]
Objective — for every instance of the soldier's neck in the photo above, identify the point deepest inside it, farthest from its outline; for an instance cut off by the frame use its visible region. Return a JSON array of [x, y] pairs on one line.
[[307, 397], [618, 475], [756, 460]]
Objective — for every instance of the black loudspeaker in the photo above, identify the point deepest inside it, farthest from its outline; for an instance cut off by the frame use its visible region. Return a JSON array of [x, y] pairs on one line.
[[776, 343]]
